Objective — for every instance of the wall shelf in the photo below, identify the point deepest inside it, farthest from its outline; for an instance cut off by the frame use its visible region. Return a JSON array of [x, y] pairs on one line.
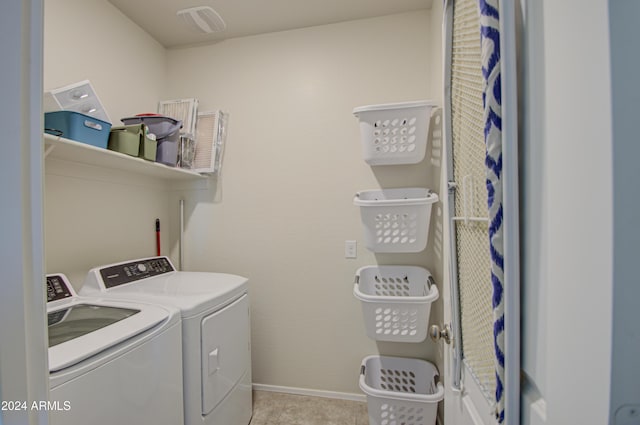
[[69, 150]]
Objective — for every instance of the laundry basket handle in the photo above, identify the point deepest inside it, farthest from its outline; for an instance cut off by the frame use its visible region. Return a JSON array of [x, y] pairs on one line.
[[430, 282]]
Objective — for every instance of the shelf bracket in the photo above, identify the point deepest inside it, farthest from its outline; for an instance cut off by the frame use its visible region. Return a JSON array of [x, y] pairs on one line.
[[48, 149]]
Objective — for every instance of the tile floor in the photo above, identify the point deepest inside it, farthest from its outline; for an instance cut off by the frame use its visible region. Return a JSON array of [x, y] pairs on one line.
[[271, 408]]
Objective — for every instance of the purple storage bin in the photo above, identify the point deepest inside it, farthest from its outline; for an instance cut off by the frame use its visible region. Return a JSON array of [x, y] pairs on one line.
[[167, 131]]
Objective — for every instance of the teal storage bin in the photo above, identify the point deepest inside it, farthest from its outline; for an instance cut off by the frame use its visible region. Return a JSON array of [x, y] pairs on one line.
[[79, 127], [132, 140]]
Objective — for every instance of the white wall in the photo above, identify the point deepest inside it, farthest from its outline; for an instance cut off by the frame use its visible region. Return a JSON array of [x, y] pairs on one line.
[[567, 213], [436, 49], [95, 216], [91, 39], [283, 208]]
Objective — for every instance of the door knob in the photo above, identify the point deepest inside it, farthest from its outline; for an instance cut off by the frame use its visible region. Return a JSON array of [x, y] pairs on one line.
[[436, 333]]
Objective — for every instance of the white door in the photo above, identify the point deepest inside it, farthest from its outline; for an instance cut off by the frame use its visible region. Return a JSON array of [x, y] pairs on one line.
[[23, 369], [225, 355], [470, 356]]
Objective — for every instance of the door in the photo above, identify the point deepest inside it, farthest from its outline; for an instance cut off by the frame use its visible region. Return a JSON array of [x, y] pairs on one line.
[[23, 369], [226, 355], [479, 226]]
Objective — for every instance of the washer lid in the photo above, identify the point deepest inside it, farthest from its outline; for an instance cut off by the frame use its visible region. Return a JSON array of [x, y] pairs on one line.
[[83, 328], [191, 292], [155, 280]]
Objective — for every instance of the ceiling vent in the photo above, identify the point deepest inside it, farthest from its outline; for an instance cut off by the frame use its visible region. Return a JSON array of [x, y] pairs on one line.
[[202, 19]]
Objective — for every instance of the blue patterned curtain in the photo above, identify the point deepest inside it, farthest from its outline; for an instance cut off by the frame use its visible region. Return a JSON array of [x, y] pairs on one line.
[[491, 97]]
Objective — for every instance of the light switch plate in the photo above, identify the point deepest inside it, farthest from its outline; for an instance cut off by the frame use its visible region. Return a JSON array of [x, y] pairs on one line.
[[350, 249]]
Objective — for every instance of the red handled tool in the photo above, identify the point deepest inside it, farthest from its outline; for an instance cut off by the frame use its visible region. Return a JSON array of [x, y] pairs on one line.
[[157, 236]]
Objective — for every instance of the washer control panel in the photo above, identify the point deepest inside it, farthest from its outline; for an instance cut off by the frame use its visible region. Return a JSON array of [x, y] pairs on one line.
[[121, 274], [57, 288]]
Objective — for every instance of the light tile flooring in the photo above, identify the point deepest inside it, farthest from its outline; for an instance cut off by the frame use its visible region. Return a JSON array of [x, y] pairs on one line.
[[271, 408]]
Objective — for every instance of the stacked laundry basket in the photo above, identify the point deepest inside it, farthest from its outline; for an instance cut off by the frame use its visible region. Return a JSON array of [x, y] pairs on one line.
[[396, 299]]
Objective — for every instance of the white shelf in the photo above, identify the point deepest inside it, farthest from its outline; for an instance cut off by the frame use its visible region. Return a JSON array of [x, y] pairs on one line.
[[69, 150]]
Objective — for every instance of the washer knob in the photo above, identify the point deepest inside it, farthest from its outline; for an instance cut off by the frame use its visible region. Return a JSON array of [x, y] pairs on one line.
[[142, 267]]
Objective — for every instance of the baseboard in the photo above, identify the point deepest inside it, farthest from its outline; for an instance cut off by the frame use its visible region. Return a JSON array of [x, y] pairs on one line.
[[309, 392]]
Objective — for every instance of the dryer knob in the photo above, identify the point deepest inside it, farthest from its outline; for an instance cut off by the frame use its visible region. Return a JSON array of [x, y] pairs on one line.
[[142, 267]]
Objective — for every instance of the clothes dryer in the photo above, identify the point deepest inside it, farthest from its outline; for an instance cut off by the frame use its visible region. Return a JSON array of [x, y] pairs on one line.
[[215, 328], [112, 362]]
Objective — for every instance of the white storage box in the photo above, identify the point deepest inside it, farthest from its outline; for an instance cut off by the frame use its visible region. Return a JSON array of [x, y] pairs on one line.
[[396, 301], [396, 220], [400, 390], [394, 133], [78, 97]]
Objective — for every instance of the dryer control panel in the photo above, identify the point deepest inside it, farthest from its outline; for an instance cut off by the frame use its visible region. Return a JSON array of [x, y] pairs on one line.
[[123, 273]]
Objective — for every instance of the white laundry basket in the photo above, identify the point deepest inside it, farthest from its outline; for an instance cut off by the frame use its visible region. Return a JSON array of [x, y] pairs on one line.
[[394, 133], [400, 391], [396, 220], [396, 301]]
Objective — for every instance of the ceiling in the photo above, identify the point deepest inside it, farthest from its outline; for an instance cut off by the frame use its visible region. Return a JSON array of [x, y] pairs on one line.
[[250, 17]]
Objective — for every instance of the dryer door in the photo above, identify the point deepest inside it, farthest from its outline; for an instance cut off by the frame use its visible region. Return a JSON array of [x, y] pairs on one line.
[[225, 351]]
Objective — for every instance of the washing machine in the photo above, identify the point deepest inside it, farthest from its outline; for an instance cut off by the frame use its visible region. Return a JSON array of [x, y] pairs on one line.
[[216, 348], [112, 362]]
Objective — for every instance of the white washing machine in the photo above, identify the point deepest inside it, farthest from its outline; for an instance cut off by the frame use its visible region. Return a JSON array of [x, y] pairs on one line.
[[112, 362], [215, 330]]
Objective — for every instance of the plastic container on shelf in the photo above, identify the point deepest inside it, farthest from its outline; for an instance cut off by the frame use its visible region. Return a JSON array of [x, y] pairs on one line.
[[396, 301], [396, 220], [400, 390], [394, 133], [79, 127], [167, 132], [133, 140], [78, 97], [186, 151]]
